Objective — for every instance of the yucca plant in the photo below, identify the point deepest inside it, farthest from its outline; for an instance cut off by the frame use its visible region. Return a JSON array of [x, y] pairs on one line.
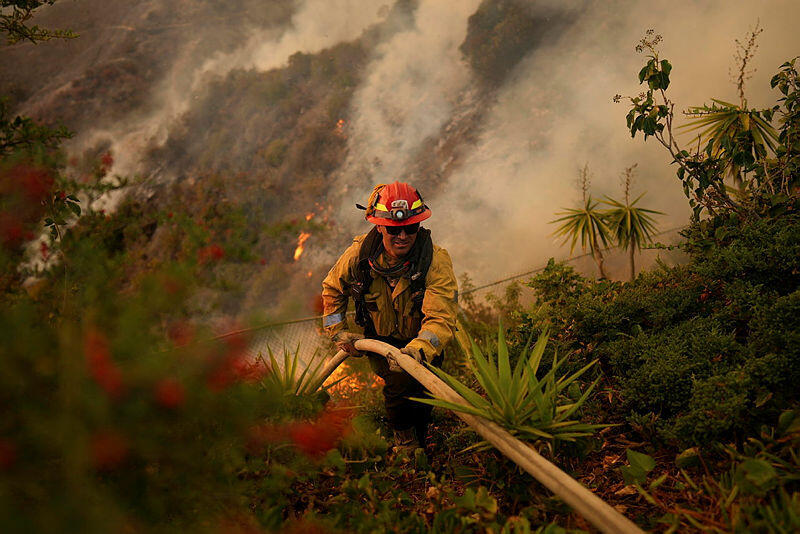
[[286, 380], [587, 224], [530, 408], [629, 225], [738, 135]]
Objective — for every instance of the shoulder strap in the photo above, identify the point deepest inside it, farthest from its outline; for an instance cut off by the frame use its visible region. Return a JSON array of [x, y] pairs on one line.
[[420, 270], [362, 275]]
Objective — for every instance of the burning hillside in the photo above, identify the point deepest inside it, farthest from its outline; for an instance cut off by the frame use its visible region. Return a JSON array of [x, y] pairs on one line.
[[284, 107]]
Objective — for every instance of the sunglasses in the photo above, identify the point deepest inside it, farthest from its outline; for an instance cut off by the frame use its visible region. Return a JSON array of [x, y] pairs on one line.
[[409, 229]]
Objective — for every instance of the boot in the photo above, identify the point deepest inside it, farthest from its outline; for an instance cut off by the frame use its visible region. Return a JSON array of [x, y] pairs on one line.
[[421, 432]]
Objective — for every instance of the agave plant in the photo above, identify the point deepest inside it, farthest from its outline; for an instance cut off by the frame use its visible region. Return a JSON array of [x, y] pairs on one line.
[[530, 408], [286, 380]]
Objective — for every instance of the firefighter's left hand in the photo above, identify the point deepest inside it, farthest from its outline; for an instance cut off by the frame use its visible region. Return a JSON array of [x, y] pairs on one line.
[[414, 353]]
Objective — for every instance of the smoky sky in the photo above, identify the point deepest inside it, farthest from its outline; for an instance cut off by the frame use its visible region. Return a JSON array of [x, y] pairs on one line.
[[556, 114], [551, 116]]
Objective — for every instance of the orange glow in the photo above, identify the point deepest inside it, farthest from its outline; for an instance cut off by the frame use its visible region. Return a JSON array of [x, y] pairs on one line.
[[340, 127], [309, 274], [351, 383], [301, 239], [309, 216]]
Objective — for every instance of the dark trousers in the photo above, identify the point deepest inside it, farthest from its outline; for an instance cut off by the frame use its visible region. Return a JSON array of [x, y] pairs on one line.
[[401, 412]]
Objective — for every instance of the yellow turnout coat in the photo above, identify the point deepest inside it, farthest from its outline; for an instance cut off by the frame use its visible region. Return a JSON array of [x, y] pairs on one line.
[[392, 310]]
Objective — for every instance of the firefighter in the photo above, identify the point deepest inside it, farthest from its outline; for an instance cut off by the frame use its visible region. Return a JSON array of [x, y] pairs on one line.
[[405, 294]]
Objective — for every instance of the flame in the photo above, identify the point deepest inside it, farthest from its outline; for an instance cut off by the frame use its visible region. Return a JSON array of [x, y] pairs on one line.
[[351, 383], [340, 127], [309, 274], [301, 239], [309, 216]]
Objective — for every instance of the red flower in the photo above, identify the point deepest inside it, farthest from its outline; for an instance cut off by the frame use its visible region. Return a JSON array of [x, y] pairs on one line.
[[11, 231], [233, 364], [101, 367], [315, 438], [260, 435], [236, 343], [108, 449], [170, 393], [250, 371], [230, 369], [35, 182], [8, 454], [171, 284], [211, 252], [180, 333], [107, 160]]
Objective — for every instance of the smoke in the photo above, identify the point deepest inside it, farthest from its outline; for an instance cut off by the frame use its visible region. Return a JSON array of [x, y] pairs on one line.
[[409, 93], [556, 114], [317, 24], [551, 116]]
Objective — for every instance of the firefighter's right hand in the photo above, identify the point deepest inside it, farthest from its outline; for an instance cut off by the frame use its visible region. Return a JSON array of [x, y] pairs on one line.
[[344, 341]]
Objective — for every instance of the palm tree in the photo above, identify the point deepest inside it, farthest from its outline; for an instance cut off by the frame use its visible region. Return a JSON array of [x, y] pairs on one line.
[[630, 226], [587, 224]]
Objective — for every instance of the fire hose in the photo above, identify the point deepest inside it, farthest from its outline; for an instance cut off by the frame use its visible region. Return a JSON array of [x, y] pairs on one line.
[[583, 501]]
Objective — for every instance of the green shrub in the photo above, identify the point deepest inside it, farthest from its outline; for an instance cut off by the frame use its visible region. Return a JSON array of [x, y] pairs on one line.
[[703, 351], [763, 251]]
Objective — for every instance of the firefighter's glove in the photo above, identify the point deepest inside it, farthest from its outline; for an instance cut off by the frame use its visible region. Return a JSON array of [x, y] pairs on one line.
[[344, 341], [414, 353]]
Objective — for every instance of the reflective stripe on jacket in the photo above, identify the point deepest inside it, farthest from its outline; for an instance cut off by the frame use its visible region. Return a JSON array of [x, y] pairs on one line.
[[391, 310]]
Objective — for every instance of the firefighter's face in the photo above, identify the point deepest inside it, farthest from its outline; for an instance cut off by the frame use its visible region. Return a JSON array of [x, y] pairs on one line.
[[397, 245]]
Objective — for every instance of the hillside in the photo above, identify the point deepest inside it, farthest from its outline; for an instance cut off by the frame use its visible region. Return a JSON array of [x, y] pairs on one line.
[[274, 143], [208, 184]]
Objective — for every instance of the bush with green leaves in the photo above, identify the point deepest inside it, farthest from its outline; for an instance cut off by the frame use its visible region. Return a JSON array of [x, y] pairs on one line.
[[106, 424], [756, 487], [707, 350], [113, 415], [710, 348], [741, 142]]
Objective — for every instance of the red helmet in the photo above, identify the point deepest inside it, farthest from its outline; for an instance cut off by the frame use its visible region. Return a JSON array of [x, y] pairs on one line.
[[396, 204]]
